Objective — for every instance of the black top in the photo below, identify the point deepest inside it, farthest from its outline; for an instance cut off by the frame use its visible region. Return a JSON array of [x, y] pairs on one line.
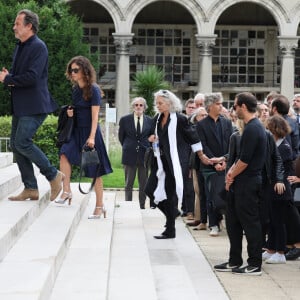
[[253, 148]]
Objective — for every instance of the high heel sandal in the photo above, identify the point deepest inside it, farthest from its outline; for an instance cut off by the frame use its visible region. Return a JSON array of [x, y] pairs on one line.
[[63, 199], [103, 211]]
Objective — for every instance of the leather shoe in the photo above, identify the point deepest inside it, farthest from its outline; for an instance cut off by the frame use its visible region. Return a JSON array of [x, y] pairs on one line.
[[56, 185], [195, 223], [165, 236], [293, 254], [30, 194]]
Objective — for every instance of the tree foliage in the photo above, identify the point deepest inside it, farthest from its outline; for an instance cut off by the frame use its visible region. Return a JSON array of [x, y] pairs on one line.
[[146, 83], [59, 29]]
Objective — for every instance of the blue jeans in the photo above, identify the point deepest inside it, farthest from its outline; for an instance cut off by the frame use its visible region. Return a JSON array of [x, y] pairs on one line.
[[25, 152]]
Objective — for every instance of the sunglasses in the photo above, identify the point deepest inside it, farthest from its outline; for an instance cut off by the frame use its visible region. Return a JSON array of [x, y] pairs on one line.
[[235, 106], [140, 105], [75, 70], [163, 93]]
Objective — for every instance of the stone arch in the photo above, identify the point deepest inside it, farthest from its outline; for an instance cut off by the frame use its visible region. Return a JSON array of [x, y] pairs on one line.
[[276, 8], [193, 6], [295, 14], [112, 8]]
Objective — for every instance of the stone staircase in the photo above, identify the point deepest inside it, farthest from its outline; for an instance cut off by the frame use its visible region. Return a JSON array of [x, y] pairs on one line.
[[48, 251]]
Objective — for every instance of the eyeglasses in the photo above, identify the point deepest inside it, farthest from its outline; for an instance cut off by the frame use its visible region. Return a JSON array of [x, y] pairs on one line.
[[235, 106], [137, 104], [75, 70]]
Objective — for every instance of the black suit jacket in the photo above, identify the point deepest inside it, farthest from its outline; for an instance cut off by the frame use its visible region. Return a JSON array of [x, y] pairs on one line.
[[133, 148], [28, 79], [207, 133]]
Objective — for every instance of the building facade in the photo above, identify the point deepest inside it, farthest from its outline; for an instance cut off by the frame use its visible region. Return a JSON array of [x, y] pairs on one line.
[[226, 46]]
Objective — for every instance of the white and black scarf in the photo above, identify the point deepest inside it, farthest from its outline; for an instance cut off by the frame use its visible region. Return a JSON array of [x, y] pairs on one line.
[[160, 192]]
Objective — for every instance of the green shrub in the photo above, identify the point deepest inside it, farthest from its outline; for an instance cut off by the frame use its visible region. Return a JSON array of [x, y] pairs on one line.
[[45, 139]]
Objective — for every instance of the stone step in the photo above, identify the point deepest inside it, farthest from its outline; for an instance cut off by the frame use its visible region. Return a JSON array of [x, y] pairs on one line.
[[17, 216], [30, 268], [10, 180], [6, 159], [180, 269], [108, 259], [130, 275], [84, 273]]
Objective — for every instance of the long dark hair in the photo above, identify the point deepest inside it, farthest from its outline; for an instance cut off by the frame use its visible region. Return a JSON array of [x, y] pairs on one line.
[[88, 71]]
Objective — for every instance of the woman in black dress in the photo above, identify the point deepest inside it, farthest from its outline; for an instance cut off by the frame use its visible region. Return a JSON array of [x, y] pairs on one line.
[[86, 96]]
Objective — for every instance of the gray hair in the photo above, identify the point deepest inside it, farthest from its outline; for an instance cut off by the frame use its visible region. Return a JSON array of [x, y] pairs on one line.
[[296, 96], [30, 18], [171, 98], [211, 98], [199, 96], [136, 99]]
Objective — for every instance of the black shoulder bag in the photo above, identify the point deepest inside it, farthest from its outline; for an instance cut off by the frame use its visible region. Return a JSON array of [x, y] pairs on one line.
[[89, 156]]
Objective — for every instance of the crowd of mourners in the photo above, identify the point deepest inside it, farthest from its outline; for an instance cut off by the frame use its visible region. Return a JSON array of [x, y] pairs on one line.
[[271, 209]]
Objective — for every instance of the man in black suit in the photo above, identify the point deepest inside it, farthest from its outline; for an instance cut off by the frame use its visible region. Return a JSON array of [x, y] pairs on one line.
[[214, 132], [134, 130]]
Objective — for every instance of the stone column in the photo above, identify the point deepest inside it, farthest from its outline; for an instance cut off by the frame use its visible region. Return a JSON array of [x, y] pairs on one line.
[[122, 42], [205, 45], [287, 45]]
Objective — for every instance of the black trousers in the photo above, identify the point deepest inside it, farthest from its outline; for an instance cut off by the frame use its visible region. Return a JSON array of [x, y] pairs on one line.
[[242, 215], [167, 206], [203, 200], [277, 229], [188, 201], [130, 173]]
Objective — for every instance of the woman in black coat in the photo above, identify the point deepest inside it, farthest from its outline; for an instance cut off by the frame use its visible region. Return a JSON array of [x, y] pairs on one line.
[[172, 136]]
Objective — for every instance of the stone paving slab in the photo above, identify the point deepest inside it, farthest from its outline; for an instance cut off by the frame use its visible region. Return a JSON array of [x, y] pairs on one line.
[[279, 282]]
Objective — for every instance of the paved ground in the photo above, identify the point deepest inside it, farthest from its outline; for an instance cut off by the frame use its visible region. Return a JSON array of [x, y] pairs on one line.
[[276, 282]]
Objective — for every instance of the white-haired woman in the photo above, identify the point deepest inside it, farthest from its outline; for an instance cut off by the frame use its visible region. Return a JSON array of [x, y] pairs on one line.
[[172, 136]]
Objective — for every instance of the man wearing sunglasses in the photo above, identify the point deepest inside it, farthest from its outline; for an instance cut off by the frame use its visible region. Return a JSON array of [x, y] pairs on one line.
[[31, 102], [134, 130]]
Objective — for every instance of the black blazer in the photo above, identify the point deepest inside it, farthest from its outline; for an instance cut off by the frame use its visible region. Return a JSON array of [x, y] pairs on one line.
[[186, 135], [28, 79], [212, 147], [133, 149]]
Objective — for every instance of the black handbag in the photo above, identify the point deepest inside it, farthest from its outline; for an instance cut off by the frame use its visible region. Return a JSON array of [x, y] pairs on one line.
[[148, 158], [89, 156]]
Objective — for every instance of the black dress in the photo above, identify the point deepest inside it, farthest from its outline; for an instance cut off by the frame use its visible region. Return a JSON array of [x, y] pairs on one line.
[[81, 132]]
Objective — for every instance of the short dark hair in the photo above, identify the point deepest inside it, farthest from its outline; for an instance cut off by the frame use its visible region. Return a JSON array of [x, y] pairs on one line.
[[30, 18], [282, 104], [248, 99], [278, 126]]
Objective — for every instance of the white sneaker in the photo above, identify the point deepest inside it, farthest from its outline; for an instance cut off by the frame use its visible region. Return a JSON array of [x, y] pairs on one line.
[[276, 258], [266, 255], [214, 231]]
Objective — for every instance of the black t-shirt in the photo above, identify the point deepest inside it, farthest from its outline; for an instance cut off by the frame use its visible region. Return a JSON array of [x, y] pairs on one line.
[[253, 148]]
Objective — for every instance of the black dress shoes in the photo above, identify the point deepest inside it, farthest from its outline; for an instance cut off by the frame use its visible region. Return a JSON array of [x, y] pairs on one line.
[[165, 236], [293, 254]]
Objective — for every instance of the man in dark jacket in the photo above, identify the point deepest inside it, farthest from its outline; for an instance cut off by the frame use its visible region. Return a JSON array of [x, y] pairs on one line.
[[134, 130], [214, 132], [31, 102]]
